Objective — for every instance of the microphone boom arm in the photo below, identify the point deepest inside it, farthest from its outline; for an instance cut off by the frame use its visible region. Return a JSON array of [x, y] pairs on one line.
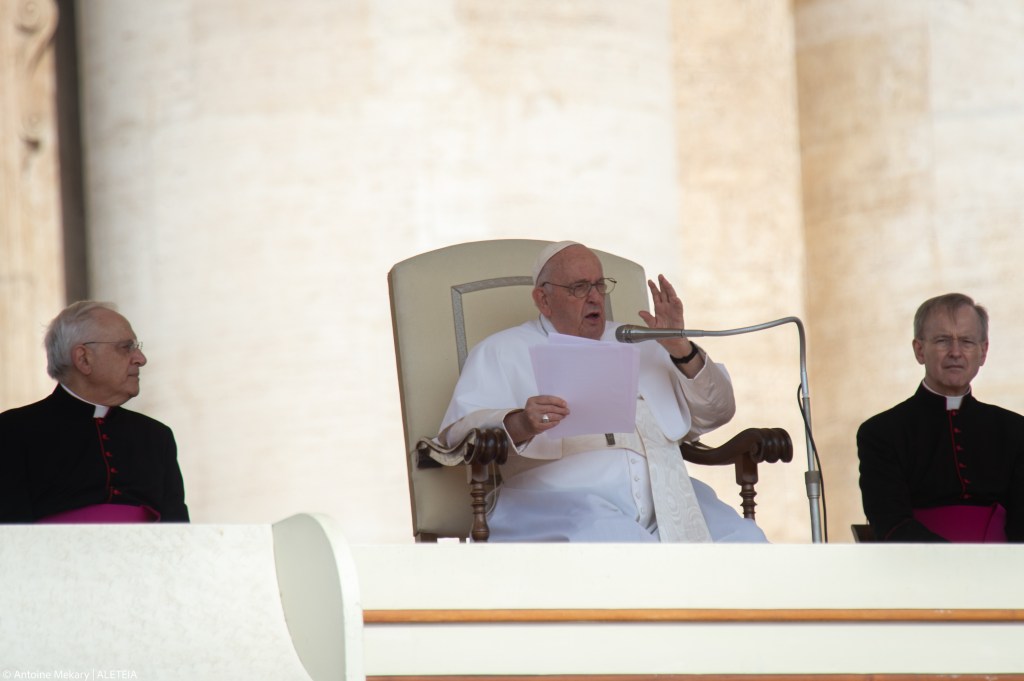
[[629, 333]]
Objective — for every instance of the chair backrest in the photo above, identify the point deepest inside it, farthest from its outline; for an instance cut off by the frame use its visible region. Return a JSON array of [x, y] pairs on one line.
[[444, 302]]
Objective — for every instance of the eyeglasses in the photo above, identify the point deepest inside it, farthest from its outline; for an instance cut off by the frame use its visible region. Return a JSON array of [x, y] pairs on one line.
[[581, 289], [125, 347]]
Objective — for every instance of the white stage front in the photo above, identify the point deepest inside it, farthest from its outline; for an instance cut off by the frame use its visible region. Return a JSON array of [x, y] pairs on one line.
[[294, 600], [594, 609]]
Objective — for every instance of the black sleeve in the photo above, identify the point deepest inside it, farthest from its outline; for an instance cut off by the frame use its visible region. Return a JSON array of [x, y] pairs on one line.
[[173, 508], [15, 500], [884, 487], [1015, 502]]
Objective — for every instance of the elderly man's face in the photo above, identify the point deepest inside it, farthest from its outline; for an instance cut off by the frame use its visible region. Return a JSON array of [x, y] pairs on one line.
[[111, 360], [952, 350], [568, 314]]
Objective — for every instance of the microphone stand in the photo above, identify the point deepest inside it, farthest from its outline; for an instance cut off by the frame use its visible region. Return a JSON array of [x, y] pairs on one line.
[[812, 478]]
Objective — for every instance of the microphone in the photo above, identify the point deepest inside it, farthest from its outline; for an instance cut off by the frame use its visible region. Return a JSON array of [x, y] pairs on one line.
[[630, 333]]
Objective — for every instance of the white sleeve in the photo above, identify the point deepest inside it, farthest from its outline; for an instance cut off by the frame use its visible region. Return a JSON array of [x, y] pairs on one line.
[[481, 418], [710, 398]]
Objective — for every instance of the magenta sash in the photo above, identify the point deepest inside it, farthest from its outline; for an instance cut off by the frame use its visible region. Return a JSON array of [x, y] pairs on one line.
[[103, 513], [969, 524]]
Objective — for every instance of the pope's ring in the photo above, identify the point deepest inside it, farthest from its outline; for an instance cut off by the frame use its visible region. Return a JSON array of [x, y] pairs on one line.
[[545, 419]]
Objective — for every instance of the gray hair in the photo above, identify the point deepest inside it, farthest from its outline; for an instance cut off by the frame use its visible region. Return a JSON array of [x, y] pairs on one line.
[[951, 302], [68, 329]]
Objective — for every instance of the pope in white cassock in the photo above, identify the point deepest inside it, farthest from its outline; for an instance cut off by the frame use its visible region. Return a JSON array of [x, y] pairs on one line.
[[609, 487]]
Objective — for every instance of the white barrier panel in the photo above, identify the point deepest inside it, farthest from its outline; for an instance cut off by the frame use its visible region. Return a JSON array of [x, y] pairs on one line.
[[176, 601], [792, 610]]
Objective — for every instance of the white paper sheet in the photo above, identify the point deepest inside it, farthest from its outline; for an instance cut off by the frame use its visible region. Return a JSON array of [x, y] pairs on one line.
[[597, 379]]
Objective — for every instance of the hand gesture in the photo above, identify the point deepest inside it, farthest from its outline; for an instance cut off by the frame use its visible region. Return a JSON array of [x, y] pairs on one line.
[[668, 314]]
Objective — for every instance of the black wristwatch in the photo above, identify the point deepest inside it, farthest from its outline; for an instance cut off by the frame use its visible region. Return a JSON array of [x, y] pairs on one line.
[[685, 360]]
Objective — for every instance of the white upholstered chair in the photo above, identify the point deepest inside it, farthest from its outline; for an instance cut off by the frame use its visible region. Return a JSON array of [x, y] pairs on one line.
[[445, 301]]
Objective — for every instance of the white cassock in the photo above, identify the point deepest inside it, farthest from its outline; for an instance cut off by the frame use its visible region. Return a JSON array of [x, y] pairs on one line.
[[614, 487]]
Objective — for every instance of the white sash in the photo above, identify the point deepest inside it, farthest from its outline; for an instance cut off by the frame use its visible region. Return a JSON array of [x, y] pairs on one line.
[[675, 503]]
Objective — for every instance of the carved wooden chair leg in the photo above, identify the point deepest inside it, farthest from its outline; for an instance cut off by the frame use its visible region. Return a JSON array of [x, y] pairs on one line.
[[480, 532], [746, 478]]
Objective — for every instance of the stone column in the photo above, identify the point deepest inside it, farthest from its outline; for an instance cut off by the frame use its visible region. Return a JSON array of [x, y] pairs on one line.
[[31, 259], [913, 163], [742, 255]]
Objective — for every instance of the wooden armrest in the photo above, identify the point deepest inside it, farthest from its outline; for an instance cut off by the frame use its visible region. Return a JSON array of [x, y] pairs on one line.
[[480, 446], [759, 445], [745, 450]]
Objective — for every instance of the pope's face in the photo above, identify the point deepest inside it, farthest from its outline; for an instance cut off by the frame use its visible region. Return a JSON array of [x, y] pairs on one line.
[[951, 350], [570, 315]]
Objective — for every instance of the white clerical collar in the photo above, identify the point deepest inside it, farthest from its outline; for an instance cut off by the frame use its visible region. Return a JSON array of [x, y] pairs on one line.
[[952, 402], [100, 409]]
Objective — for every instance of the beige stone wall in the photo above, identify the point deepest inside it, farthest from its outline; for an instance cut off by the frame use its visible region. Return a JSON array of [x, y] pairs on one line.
[[31, 275], [910, 119]]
